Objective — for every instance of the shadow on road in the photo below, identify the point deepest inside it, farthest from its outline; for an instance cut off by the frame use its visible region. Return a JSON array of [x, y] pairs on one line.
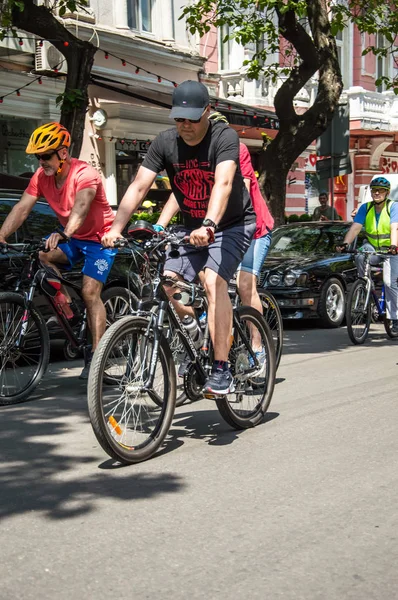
[[296, 337], [206, 425], [47, 464]]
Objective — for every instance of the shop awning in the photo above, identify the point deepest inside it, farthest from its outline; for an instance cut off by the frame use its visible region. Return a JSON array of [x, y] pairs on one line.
[[238, 114]]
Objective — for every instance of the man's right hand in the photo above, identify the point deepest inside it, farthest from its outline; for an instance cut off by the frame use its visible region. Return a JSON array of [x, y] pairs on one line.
[[109, 238], [342, 247]]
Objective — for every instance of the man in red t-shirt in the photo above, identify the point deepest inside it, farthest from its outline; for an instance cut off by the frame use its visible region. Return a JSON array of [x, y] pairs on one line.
[[75, 192]]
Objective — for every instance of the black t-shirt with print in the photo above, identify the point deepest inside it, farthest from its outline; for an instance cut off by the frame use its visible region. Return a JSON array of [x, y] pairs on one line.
[[191, 173]]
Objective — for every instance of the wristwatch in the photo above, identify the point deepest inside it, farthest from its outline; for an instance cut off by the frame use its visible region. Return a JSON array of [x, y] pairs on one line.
[[209, 223]]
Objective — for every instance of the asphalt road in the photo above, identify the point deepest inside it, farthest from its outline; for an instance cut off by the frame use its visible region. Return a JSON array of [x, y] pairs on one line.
[[302, 507]]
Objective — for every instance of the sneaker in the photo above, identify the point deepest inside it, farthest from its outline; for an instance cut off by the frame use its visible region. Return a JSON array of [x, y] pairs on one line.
[[394, 325], [219, 383], [86, 369], [52, 322], [260, 355]]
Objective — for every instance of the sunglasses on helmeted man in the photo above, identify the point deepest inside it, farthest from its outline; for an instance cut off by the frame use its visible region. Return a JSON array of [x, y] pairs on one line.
[[46, 156]]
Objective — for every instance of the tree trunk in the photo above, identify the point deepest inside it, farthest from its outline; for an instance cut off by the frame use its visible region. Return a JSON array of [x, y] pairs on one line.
[[298, 131], [79, 55]]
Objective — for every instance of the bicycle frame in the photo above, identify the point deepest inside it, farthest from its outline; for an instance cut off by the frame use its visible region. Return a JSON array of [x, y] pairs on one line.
[[77, 341]]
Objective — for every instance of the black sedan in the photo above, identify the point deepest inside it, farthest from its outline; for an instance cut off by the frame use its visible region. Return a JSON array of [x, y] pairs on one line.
[[305, 273]]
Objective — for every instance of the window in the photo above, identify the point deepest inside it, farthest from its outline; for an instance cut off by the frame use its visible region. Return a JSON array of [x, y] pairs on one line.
[[344, 55], [140, 15], [382, 63]]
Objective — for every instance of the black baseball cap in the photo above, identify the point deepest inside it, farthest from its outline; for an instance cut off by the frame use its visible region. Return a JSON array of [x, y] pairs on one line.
[[190, 99]]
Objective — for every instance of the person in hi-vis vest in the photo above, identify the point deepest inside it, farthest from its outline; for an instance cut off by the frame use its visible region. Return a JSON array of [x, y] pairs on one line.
[[379, 218]]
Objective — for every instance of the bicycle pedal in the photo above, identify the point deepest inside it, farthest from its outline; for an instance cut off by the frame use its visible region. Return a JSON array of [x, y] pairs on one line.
[[210, 396]]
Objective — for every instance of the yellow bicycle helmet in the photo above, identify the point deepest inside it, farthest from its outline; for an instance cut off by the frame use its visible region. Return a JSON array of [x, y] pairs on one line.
[[50, 136]]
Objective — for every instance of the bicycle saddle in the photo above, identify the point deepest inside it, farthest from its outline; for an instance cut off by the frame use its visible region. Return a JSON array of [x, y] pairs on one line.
[[141, 230]]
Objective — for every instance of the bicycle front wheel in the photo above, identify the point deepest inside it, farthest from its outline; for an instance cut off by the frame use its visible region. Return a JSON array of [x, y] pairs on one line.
[[24, 349], [273, 318], [247, 405], [358, 314], [130, 418]]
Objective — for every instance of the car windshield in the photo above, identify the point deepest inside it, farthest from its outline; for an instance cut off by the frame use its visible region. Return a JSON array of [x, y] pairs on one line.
[[309, 239]]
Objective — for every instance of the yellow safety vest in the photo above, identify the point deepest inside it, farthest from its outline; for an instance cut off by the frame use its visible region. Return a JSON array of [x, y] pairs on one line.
[[378, 234]]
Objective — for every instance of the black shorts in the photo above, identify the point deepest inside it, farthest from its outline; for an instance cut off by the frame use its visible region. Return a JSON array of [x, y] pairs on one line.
[[222, 256]]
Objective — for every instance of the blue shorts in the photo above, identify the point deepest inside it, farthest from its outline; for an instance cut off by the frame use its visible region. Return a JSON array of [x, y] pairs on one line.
[[253, 259], [98, 260]]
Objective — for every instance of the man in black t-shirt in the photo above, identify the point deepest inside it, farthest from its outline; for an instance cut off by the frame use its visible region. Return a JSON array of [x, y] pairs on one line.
[[201, 159]]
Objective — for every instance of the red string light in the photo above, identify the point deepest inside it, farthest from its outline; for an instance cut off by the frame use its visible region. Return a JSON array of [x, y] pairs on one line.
[[175, 84], [55, 70], [20, 41], [41, 43], [66, 44], [137, 70], [1, 100], [106, 55], [18, 93], [123, 62], [159, 79], [40, 81], [255, 116]]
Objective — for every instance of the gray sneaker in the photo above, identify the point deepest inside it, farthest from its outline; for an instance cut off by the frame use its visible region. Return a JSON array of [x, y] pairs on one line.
[[394, 325], [86, 369], [219, 383]]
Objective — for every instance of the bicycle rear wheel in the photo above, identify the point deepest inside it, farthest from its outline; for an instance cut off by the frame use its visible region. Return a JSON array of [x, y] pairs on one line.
[[22, 365], [273, 318], [358, 315], [129, 420], [388, 327], [247, 405]]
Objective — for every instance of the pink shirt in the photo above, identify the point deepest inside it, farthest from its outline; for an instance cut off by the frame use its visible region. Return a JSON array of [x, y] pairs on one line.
[[81, 176], [264, 219]]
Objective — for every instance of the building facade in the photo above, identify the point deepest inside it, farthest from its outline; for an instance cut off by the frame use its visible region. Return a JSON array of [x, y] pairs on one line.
[[373, 116]]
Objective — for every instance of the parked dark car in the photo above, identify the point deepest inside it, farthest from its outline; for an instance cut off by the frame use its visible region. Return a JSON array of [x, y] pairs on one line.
[[305, 273], [40, 223]]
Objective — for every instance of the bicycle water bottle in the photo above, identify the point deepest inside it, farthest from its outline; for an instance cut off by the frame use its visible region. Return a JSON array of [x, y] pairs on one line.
[[62, 305], [192, 326]]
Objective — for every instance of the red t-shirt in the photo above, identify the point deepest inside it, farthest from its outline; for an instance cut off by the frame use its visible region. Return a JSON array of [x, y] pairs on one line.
[[81, 176], [264, 219]]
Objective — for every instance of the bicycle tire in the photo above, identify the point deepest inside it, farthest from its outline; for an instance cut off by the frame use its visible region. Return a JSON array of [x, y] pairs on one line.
[[358, 316], [231, 406], [273, 317], [387, 326], [130, 336], [178, 351], [14, 364], [117, 301]]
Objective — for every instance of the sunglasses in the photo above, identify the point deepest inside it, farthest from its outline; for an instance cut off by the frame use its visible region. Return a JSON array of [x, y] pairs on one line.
[[181, 120], [379, 190], [45, 156]]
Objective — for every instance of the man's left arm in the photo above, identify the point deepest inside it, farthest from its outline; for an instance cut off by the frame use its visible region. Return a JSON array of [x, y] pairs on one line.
[[223, 179]]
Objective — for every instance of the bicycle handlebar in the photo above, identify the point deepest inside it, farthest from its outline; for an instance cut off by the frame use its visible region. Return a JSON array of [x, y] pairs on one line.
[[27, 247]]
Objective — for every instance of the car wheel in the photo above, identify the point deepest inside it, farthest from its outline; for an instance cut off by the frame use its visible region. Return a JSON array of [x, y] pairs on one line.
[[331, 307]]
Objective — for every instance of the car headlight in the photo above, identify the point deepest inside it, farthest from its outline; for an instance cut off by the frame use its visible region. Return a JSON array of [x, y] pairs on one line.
[[275, 279], [295, 277], [290, 278]]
